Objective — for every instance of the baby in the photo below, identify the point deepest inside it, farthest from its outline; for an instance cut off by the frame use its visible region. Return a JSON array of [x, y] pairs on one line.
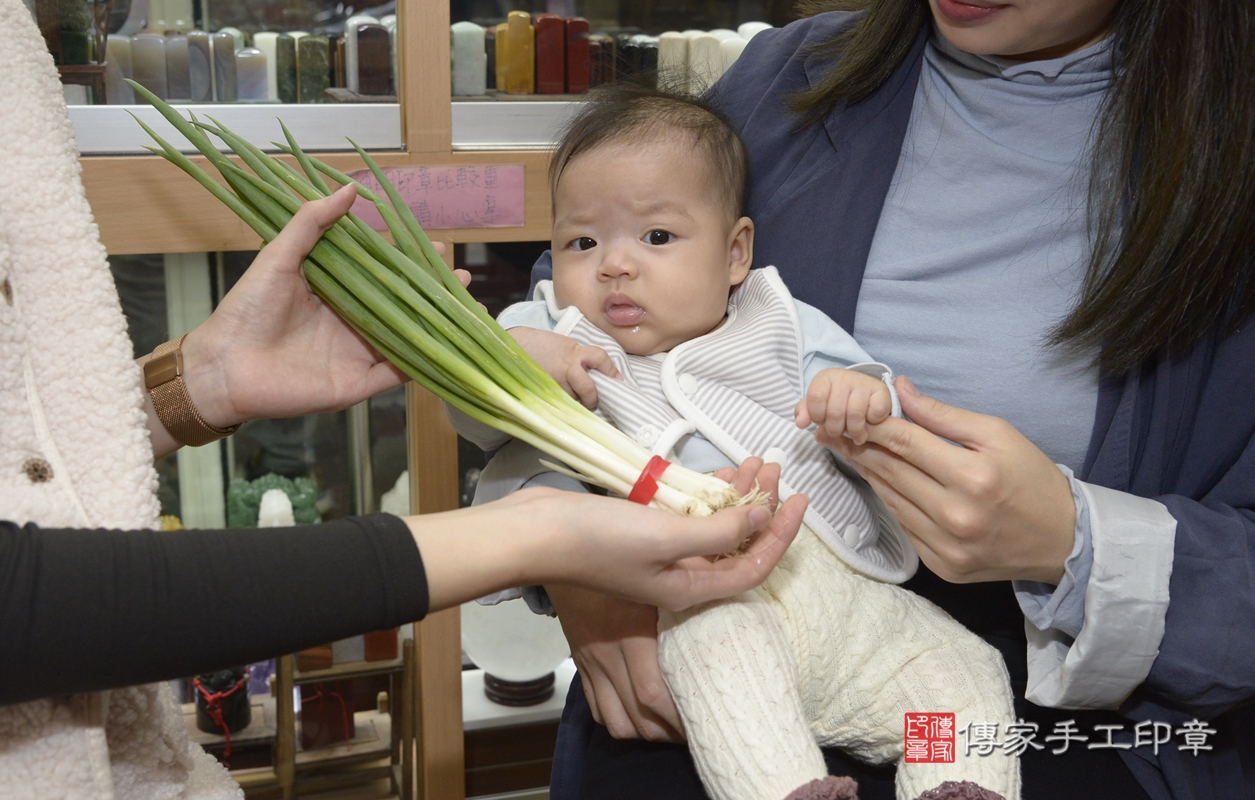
[[717, 362]]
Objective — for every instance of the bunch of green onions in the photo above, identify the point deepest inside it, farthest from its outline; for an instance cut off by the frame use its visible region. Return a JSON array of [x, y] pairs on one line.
[[409, 306]]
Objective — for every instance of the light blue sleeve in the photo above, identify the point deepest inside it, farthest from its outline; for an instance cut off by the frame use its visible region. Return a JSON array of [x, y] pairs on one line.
[[826, 345], [528, 314], [1062, 607]]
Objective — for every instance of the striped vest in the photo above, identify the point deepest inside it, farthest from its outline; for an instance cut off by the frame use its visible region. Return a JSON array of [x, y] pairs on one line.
[[737, 387]]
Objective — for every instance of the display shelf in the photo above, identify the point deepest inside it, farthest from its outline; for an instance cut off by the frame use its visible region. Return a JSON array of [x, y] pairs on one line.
[[111, 130], [493, 122], [372, 739], [359, 781], [352, 669], [497, 123], [372, 735], [349, 669]]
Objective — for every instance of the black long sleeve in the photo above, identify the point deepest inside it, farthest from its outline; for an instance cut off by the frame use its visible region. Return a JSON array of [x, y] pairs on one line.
[[84, 610]]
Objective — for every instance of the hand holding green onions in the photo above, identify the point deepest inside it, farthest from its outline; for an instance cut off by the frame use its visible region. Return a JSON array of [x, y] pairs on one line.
[[409, 306]]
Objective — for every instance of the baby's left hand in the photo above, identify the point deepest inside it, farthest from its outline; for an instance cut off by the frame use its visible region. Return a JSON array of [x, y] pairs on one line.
[[843, 403]]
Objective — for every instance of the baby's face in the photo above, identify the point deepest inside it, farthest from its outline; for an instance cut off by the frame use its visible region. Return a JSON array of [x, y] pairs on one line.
[[642, 247]]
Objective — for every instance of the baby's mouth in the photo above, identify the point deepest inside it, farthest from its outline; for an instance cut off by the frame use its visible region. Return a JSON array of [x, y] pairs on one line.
[[621, 311]]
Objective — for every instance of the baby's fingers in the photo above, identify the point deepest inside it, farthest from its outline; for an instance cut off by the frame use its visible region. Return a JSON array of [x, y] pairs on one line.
[[856, 415], [815, 406], [801, 414], [592, 357], [582, 386], [462, 275], [880, 407], [836, 413]]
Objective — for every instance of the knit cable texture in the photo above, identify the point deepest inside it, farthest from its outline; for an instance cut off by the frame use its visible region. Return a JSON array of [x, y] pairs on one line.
[[820, 655]]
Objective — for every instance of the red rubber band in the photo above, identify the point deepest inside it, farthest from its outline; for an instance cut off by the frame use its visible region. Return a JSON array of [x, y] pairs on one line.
[[646, 485]]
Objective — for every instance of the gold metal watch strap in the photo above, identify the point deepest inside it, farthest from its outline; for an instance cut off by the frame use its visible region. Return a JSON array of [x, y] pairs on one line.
[[163, 377]]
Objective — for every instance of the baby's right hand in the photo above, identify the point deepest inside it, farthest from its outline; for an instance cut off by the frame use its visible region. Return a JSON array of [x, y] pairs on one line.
[[567, 361], [843, 402]]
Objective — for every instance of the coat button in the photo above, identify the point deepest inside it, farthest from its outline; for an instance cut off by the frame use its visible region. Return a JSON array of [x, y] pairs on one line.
[[6, 289], [688, 384], [38, 470], [852, 535], [646, 436], [776, 455]]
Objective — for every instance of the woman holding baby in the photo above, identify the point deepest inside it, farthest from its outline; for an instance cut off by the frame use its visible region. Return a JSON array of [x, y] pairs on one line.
[[1040, 212]]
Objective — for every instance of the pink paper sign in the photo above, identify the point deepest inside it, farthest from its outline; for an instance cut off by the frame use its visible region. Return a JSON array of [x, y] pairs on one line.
[[470, 196]]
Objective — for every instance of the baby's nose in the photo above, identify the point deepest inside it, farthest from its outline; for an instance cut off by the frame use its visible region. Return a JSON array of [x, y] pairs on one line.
[[618, 263]]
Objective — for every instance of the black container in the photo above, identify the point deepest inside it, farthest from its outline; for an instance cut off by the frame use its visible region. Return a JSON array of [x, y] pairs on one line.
[[647, 57], [222, 705]]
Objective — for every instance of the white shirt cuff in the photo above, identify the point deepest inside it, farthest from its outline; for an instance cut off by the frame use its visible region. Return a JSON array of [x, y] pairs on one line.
[[1126, 601]]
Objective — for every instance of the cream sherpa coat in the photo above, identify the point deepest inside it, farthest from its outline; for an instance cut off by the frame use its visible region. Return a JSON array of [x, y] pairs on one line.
[[74, 449]]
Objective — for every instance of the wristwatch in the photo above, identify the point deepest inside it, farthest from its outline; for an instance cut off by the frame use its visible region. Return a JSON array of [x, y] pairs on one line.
[[163, 377]]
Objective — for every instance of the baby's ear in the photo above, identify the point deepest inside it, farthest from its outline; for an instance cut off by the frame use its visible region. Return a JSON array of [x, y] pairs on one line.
[[740, 250]]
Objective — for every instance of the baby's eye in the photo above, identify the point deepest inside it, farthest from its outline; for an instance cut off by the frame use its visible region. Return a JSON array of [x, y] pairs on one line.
[[583, 243], [658, 237]]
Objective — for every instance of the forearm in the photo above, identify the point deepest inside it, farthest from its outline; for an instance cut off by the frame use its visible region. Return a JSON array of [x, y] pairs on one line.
[[533, 595], [83, 610], [473, 552]]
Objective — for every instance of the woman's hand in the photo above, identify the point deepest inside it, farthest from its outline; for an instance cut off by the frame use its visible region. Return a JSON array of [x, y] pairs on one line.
[[607, 564], [993, 508], [272, 348], [631, 551], [614, 642]]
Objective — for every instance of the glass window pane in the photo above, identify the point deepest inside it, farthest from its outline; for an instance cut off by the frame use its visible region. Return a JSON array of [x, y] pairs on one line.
[[223, 51], [166, 295], [581, 43], [651, 16], [507, 54]]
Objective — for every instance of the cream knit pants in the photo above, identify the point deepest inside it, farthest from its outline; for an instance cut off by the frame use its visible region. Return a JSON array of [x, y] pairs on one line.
[[821, 655]]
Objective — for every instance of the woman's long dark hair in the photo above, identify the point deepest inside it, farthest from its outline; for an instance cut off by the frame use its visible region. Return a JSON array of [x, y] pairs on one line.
[[1172, 192]]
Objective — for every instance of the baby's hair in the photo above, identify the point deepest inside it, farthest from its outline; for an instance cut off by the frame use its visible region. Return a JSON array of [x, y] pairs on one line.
[[628, 112]]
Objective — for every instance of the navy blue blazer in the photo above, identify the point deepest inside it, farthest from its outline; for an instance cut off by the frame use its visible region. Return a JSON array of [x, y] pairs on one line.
[[1180, 429]]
